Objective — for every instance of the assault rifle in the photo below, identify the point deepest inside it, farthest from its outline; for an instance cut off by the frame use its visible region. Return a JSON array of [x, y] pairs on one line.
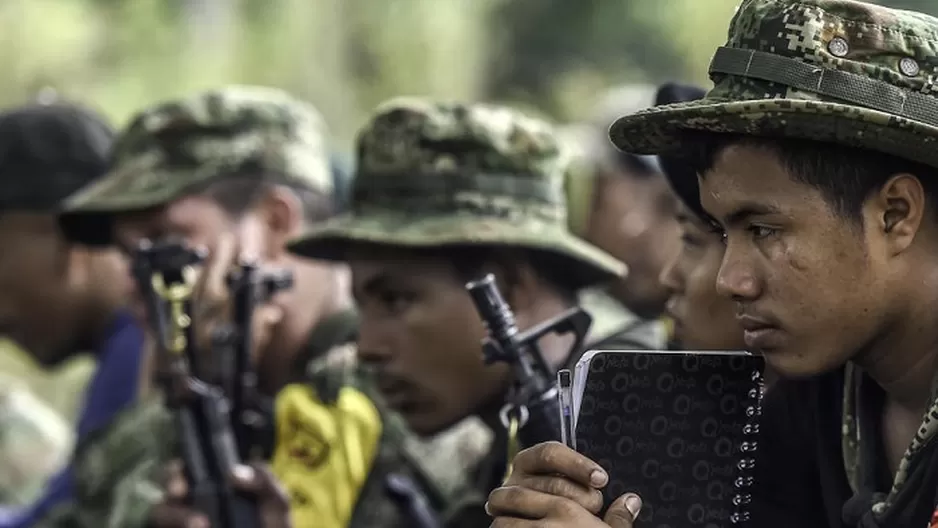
[[532, 404], [252, 425], [165, 276]]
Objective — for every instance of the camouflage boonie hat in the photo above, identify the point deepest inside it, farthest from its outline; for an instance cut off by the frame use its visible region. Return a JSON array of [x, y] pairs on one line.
[[177, 147], [433, 174], [835, 71]]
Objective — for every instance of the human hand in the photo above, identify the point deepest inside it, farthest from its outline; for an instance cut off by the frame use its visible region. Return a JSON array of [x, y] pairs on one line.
[[254, 481], [554, 485]]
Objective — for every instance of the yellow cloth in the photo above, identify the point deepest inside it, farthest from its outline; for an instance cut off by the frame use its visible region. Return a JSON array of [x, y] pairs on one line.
[[324, 452]]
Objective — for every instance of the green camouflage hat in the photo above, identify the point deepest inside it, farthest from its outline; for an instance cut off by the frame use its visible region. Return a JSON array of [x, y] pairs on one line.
[[432, 174], [838, 71], [177, 147]]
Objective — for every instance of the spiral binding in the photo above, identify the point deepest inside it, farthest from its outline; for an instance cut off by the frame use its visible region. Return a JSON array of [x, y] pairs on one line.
[[746, 465]]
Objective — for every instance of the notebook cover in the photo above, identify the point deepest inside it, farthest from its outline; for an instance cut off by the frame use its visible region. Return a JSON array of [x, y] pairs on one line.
[[678, 428]]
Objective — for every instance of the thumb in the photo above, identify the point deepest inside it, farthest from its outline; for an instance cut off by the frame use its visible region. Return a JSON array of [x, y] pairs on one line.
[[623, 511]]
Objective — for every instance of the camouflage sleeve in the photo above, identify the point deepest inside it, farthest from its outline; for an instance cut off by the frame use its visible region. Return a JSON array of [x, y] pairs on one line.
[[34, 443], [117, 471]]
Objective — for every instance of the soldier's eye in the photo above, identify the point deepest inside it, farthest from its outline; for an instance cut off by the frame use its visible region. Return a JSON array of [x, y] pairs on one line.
[[396, 302]]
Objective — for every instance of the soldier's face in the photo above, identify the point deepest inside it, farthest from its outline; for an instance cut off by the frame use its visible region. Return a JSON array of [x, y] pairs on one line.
[[196, 220], [633, 220], [703, 319], [54, 297], [421, 332], [808, 283]]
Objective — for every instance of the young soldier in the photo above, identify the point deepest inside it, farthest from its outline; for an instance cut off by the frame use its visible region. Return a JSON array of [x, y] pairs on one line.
[[614, 324], [624, 206], [816, 160], [58, 299], [443, 194], [241, 170], [702, 318]]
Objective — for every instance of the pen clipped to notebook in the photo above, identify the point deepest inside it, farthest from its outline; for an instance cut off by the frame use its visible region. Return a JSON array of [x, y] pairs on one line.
[[565, 395]]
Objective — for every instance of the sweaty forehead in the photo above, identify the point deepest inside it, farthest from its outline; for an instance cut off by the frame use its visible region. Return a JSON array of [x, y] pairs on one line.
[[745, 177]]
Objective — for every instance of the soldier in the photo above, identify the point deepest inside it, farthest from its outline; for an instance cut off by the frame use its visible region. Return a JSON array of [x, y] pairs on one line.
[[816, 159], [443, 193], [625, 206], [241, 170], [60, 300], [702, 318], [614, 325]]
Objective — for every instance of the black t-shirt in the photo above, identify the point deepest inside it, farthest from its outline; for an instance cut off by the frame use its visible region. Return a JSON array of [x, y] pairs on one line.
[[801, 480]]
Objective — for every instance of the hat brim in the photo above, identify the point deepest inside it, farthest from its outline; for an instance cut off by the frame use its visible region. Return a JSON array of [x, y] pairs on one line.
[[115, 193], [587, 265], [662, 129]]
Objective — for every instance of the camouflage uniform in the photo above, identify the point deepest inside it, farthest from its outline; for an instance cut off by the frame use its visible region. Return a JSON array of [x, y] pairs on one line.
[[437, 175], [829, 71], [35, 442], [175, 149]]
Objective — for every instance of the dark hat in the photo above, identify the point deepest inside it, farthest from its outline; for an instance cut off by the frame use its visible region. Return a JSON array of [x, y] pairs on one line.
[[680, 174], [49, 151]]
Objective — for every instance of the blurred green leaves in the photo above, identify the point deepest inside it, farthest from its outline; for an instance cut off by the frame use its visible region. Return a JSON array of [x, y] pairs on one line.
[[346, 56]]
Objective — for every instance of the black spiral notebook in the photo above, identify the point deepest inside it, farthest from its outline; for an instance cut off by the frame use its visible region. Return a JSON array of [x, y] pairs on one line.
[[678, 428]]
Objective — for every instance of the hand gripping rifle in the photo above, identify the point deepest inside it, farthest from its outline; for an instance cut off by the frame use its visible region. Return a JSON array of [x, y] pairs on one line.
[[165, 276], [531, 414]]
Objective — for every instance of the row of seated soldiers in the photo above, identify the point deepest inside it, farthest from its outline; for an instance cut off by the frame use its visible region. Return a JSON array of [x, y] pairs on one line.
[[789, 211]]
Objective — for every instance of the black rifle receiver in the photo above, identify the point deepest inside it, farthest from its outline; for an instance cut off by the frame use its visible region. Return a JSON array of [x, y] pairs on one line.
[[164, 273], [250, 287], [535, 393]]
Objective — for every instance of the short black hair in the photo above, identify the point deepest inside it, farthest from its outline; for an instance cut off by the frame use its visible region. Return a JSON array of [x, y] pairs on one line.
[[845, 176], [236, 195]]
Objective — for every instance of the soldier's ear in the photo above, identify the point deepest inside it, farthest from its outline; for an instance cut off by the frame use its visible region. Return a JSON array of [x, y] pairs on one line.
[[281, 212], [897, 211], [76, 265]]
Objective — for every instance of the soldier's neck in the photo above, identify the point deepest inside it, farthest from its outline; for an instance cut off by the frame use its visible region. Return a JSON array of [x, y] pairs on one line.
[[903, 359]]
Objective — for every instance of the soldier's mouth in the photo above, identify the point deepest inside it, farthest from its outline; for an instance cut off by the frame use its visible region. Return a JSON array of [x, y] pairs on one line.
[[397, 393]]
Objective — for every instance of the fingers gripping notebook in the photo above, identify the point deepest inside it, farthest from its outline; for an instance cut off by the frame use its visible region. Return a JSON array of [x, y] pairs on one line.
[[678, 428]]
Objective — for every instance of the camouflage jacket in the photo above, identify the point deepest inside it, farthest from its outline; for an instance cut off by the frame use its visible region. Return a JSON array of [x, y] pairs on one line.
[[34, 443], [118, 470]]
